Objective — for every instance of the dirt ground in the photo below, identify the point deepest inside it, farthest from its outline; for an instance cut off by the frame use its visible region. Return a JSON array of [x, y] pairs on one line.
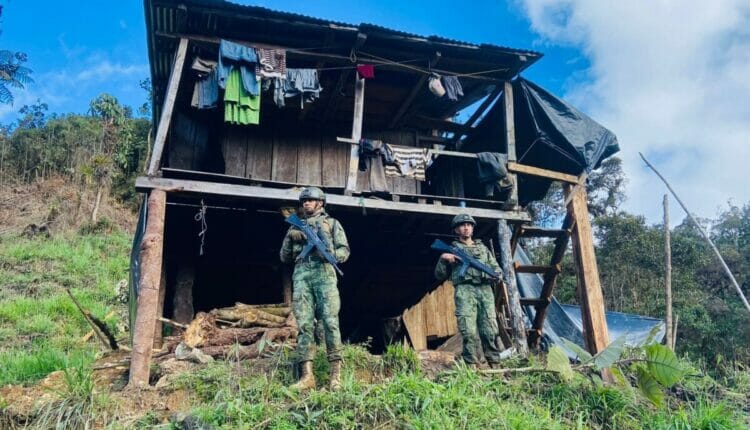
[[58, 204]]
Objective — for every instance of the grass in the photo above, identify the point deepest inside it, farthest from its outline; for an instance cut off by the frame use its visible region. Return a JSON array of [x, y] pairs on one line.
[[41, 330], [40, 327]]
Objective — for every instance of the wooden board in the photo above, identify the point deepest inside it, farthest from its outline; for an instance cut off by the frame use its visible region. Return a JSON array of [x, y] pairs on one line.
[[414, 322], [234, 149], [181, 149], [335, 162], [284, 159], [259, 157], [309, 166], [590, 295]]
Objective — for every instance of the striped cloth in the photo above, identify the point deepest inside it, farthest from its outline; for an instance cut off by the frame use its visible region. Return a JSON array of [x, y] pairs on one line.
[[406, 161]]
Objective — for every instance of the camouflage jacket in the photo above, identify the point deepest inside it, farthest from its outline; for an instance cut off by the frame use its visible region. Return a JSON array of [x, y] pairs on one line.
[[333, 235], [479, 251]]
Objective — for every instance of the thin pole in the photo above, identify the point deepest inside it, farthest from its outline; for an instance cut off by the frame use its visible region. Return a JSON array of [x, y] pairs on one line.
[[703, 232], [668, 272]]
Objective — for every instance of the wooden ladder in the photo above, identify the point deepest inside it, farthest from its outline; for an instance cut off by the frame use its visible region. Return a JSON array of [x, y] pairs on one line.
[[549, 272]]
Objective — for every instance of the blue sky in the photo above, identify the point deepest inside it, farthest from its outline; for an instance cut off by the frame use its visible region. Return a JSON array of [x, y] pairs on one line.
[[77, 53], [670, 78]]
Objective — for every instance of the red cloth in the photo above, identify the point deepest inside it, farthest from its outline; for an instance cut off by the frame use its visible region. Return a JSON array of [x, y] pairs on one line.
[[366, 71]]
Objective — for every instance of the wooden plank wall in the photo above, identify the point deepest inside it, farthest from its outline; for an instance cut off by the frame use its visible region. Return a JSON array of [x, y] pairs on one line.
[[188, 143], [312, 159], [433, 316]]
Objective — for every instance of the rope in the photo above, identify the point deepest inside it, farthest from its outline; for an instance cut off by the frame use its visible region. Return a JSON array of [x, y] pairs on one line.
[[201, 217]]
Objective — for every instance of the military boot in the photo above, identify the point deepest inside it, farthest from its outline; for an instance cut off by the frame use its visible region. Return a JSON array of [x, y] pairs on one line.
[[307, 380], [335, 383]]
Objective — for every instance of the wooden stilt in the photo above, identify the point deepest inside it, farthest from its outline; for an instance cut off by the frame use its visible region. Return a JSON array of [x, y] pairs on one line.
[[152, 248], [182, 302], [517, 326], [590, 294]]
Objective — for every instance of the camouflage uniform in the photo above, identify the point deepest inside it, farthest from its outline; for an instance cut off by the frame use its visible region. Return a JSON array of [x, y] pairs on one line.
[[316, 295], [475, 303]]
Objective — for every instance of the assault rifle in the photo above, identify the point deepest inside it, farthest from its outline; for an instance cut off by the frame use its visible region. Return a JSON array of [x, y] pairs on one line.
[[314, 242], [466, 259]]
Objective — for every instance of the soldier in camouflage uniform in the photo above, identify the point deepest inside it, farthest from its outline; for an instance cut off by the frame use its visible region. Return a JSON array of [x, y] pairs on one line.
[[475, 300], [315, 292]]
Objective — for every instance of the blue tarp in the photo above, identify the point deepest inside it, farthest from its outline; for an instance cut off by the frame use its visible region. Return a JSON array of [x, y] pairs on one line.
[[564, 321]]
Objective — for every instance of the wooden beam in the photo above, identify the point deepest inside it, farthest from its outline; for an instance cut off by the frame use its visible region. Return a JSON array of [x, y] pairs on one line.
[[359, 110], [544, 173], [406, 104], [166, 112], [152, 250], [517, 325], [510, 138], [555, 268], [144, 184], [590, 295], [480, 110]]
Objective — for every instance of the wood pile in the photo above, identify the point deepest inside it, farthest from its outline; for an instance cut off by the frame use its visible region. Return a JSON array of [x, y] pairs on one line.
[[239, 332]]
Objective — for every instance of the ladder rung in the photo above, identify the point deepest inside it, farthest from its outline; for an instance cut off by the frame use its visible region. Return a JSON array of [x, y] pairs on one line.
[[537, 269], [529, 231], [541, 301]]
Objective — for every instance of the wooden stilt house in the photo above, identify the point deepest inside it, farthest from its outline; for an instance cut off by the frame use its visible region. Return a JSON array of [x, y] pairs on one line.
[[212, 224]]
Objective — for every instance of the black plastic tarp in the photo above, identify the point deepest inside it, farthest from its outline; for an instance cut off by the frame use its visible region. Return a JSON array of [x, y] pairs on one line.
[[550, 133], [135, 265], [564, 321]]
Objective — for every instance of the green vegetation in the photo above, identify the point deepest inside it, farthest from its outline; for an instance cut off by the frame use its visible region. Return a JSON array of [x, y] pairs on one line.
[[41, 327]]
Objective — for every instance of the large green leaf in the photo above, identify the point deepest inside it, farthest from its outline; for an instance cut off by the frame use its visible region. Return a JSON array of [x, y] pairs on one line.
[[649, 387], [607, 357], [619, 376], [583, 355], [557, 361], [664, 365]]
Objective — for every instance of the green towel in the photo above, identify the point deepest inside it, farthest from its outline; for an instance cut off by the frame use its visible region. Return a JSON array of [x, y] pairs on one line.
[[239, 106]]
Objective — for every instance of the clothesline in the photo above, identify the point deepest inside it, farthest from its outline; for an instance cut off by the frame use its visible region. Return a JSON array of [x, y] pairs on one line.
[[378, 61]]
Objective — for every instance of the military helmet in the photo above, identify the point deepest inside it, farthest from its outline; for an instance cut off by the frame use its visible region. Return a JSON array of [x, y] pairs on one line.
[[312, 193], [462, 218]]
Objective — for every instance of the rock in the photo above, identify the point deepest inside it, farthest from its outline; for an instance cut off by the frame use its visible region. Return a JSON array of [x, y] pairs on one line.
[[184, 352]]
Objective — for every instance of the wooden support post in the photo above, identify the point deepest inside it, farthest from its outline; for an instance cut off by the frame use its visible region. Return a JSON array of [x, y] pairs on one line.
[[166, 113], [359, 108], [182, 302], [510, 138], [595, 331], [667, 273], [517, 325], [152, 249]]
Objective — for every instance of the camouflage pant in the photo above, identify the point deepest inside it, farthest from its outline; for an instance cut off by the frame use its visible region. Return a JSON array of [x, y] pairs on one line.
[[316, 297], [477, 319]]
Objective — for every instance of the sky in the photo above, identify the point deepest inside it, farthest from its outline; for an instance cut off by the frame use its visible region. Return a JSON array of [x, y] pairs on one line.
[[671, 78]]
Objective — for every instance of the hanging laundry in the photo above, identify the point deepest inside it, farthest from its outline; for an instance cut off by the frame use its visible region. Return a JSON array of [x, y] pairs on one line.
[[366, 71], [435, 86], [493, 174], [406, 161], [298, 82], [271, 63], [371, 154], [240, 107], [453, 89], [233, 56], [206, 89]]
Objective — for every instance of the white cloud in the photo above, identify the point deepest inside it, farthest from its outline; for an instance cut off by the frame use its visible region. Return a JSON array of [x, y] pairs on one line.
[[672, 80], [106, 70]]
